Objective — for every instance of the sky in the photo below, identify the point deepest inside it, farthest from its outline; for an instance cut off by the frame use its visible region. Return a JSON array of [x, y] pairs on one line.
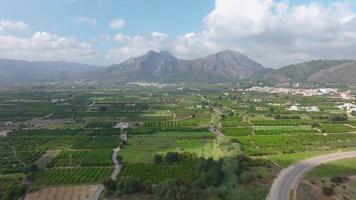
[[103, 32]]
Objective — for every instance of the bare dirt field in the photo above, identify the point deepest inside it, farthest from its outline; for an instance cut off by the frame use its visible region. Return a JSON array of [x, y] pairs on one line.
[[82, 192]]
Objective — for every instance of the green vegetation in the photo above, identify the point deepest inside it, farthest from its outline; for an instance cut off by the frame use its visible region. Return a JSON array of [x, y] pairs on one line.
[[72, 176], [341, 168], [192, 143]]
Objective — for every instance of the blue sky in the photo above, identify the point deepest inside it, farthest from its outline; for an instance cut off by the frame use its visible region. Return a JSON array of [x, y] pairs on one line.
[[79, 30], [141, 16]]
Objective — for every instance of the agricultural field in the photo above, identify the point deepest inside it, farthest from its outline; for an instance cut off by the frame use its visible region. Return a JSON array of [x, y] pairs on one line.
[[82, 192], [202, 140], [142, 148]]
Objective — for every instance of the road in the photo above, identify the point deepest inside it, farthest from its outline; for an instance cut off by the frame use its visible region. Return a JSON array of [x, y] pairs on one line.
[[117, 166], [97, 193], [286, 184]]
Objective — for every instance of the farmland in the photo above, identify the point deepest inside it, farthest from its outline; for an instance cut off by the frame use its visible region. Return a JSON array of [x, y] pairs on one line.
[[202, 140]]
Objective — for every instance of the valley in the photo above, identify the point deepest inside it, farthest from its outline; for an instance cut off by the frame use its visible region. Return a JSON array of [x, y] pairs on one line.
[[143, 141]]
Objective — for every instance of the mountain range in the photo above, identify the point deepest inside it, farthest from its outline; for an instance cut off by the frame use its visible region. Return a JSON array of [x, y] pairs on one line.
[[26, 72], [162, 66], [154, 66]]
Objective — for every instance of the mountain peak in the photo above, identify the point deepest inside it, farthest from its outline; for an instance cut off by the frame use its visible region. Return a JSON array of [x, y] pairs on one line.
[[229, 52], [155, 52]]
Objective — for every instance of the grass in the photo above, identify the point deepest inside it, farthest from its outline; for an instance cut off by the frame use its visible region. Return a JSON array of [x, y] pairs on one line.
[[285, 160], [219, 148], [346, 167], [142, 148]]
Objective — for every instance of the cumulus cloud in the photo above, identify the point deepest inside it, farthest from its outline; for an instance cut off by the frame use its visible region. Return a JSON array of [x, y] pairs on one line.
[[11, 25], [273, 32], [117, 23], [159, 36], [84, 20], [44, 46]]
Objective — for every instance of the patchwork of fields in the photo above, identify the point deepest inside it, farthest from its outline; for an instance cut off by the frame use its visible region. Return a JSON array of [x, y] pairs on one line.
[[63, 136]]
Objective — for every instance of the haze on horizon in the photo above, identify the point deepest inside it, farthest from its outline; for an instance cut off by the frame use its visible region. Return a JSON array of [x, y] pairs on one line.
[[272, 32]]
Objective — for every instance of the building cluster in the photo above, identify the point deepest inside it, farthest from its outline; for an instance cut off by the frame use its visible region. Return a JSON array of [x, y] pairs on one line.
[[297, 107], [348, 107], [147, 84], [294, 91]]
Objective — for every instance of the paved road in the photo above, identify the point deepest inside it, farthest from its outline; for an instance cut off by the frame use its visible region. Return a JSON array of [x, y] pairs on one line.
[[288, 179]]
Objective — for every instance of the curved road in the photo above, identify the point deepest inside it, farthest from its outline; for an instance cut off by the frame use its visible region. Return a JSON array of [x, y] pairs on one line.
[[286, 184]]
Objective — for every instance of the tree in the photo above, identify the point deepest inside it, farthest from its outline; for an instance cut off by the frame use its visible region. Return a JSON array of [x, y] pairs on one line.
[[157, 159], [315, 124], [172, 157], [130, 185], [338, 117], [102, 108], [31, 169], [110, 184]]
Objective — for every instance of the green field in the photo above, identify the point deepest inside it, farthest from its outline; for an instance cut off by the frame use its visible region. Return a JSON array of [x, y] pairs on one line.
[[67, 135]]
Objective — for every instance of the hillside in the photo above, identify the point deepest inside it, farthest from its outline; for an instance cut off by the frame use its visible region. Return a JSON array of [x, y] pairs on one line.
[[23, 72], [344, 74], [303, 72]]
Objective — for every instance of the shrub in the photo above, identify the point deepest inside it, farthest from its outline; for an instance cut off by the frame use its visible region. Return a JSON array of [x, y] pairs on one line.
[[247, 177], [328, 191], [337, 179], [110, 184], [157, 159], [172, 157]]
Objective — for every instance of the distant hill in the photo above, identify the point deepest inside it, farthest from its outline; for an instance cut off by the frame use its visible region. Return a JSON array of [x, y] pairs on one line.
[[313, 71], [24, 72], [224, 66], [343, 73]]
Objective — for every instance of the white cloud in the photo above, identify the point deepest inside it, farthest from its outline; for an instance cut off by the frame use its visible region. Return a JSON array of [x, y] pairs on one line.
[[273, 32], [44, 46], [159, 36], [117, 24], [121, 37], [12, 25], [84, 20], [277, 33]]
